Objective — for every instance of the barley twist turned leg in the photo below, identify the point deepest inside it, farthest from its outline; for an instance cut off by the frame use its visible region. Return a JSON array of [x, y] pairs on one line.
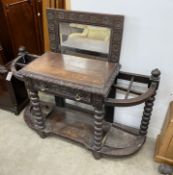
[[146, 115], [98, 130], [39, 122], [149, 104]]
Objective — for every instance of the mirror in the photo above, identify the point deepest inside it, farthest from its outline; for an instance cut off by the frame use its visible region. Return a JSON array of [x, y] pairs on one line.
[[94, 40], [85, 34]]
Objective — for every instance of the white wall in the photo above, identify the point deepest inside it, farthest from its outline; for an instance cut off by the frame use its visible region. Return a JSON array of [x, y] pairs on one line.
[[147, 44]]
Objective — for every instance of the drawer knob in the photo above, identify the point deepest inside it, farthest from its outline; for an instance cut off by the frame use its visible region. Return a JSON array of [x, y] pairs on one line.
[[43, 88], [77, 97]]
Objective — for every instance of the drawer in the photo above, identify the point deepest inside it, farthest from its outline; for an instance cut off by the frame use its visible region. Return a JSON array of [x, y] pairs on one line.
[[66, 92]]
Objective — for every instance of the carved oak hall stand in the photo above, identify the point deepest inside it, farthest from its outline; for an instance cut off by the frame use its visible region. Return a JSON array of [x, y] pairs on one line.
[[87, 80], [88, 85]]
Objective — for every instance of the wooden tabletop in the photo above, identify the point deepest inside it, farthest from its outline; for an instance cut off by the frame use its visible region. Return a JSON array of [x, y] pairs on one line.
[[77, 70]]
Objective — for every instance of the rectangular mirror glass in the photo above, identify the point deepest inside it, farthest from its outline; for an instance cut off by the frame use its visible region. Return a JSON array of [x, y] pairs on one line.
[[83, 38]]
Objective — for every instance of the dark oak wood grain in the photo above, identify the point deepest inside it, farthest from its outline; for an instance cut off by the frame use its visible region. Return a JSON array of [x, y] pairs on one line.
[[113, 22], [73, 69]]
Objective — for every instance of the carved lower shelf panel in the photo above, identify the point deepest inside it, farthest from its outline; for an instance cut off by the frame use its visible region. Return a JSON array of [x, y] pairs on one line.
[[78, 126]]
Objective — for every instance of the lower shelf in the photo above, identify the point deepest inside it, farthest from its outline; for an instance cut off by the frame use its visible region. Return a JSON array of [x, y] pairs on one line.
[[78, 126], [122, 141]]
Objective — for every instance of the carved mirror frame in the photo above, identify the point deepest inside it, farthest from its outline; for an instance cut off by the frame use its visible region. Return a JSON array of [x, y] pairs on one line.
[[113, 22]]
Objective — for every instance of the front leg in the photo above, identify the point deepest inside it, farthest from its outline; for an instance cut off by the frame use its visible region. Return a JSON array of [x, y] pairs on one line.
[[38, 120], [98, 130]]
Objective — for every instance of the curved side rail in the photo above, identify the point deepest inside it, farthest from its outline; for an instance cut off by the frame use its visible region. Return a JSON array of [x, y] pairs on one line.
[[24, 57], [132, 101], [14, 70]]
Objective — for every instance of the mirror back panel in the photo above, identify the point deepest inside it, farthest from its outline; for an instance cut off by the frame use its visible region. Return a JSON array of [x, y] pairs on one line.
[[87, 34]]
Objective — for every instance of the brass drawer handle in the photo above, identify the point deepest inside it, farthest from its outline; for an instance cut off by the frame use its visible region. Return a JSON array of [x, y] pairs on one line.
[[77, 97], [43, 88]]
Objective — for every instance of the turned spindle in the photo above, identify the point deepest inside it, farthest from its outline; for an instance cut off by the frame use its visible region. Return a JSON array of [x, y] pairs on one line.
[[39, 122], [98, 128], [21, 51], [155, 77]]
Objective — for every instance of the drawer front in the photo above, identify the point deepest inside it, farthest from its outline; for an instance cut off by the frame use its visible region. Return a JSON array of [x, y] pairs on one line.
[[65, 92]]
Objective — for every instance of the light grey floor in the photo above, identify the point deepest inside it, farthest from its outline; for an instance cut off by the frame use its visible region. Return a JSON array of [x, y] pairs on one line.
[[23, 152]]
